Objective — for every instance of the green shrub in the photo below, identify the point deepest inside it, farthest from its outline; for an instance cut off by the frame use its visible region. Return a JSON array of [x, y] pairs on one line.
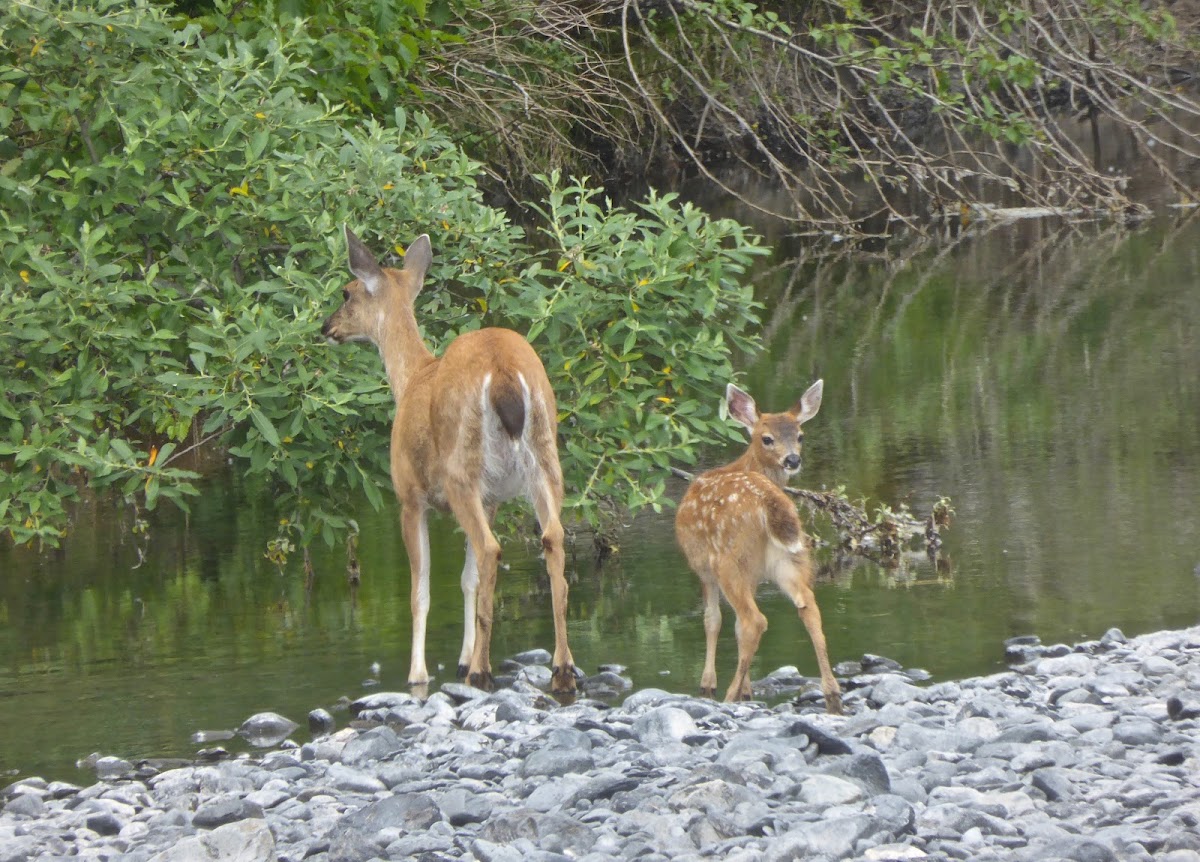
[[172, 243]]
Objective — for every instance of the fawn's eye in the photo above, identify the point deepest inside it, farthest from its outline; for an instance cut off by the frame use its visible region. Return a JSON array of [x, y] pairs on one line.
[[345, 296], [768, 440], [799, 438]]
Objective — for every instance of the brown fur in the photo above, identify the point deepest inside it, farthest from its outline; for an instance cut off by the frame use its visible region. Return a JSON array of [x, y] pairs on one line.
[[440, 456], [737, 528]]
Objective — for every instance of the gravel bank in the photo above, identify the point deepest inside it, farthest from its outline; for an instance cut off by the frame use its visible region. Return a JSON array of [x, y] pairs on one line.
[[1087, 753]]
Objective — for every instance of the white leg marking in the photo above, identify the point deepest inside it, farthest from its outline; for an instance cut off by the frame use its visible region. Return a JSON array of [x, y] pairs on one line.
[[470, 581], [417, 670]]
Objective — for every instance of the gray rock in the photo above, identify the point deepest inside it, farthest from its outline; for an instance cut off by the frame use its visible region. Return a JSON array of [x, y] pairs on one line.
[[536, 675], [1054, 783], [533, 656], [712, 796], [663, 725], [25, 805], [826, 839], [105, 823], [1137, 732], [225, 809], [462, 693], [865, 769], [490, 851], [373, 745], [556, 761], [354, 780], [320, 721], [245, 841], [822, 791], [113, 768], [381, 700], [647, 697], [266, 729], [460, 806]]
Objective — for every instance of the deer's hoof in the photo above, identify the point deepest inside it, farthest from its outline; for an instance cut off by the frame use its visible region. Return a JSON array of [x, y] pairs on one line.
[[833, 703], [708, 692], [482, 680], [562, 680], [462, 671]]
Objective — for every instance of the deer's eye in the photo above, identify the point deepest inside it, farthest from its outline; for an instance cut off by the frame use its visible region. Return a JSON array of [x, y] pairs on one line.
[[768, 440], [345, 296], [799, 438]]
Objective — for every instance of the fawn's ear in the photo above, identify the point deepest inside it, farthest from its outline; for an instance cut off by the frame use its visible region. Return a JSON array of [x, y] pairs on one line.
[[810, 402], [362, 263], [419, 256], [741, 406]]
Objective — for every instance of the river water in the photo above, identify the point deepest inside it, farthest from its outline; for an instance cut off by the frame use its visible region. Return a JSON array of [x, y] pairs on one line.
[[1045, 377]]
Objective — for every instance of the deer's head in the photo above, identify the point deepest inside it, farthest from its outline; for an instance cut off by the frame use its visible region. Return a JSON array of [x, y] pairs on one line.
[[378, 297], [776, 439]]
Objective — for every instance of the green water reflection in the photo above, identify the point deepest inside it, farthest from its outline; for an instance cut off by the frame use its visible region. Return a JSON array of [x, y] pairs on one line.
[[1047, 379]]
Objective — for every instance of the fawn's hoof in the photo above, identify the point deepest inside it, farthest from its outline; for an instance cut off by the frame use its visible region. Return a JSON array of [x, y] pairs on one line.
[[562, 680], [708, 692], [482, 680], [462, 671]]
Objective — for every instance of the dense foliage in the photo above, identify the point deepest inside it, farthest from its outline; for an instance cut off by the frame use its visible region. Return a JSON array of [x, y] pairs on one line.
[[844, 109], [170, 244]]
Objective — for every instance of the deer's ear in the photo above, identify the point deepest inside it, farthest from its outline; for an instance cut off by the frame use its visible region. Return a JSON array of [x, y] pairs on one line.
[[810, 402], [419, 256], [363, 264], [741, 406]]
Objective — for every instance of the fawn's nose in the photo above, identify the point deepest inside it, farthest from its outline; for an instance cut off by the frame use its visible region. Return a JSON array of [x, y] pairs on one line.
[[792, 462]]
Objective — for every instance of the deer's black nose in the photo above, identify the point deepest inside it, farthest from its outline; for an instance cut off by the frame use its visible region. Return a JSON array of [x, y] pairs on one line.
[[792, 462]]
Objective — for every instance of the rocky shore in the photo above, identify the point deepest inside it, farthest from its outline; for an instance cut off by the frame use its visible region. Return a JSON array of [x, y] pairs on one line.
[[1087, 753]]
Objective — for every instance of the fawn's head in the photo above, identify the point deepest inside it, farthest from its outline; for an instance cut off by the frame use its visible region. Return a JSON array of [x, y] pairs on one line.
[[377, 295], [775, 438]]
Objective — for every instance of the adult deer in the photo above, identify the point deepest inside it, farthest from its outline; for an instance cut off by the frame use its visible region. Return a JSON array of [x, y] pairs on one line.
[[738, 528], [473, 428]]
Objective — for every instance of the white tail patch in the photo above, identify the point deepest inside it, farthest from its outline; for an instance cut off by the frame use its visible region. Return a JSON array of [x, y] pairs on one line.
[[509, 466]]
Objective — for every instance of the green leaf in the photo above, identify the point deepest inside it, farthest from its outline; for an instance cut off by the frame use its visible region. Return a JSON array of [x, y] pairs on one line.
[[264, 426]]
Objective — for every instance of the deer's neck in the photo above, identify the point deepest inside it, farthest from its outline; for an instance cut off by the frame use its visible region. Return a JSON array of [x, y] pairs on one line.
[[403, 352], [747, 463]]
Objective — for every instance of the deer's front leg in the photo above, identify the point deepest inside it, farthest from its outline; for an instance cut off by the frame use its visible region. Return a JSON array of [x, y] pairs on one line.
[[414, 525]]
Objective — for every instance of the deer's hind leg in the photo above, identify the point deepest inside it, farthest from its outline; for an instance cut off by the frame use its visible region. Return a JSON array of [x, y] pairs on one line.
[[712, 628], [468, 509], [796, 579], [547, 503], [750, 626]]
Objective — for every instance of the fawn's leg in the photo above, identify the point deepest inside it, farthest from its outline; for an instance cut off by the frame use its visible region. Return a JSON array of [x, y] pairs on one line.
[[712, 628], [798, 585], [750, 626]]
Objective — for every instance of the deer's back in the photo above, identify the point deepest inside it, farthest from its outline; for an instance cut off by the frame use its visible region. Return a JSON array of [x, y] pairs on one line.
[[476, 415], [739, 513]]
